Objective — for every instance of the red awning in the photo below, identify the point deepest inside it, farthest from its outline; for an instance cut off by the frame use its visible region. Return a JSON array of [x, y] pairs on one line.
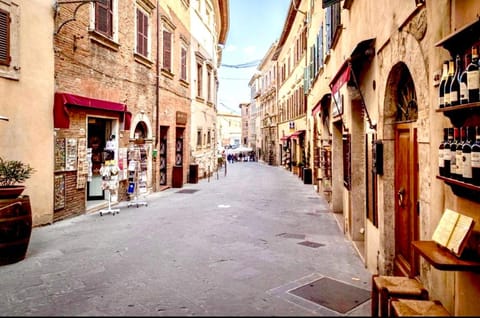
[[63, 100], [284, 138], [342, 76], [297, 133]]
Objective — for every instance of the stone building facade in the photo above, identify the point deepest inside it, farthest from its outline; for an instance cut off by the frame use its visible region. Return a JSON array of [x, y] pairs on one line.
[[373, 126]]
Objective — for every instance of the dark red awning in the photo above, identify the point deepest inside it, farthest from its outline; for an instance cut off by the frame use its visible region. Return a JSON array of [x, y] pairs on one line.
[[63, 100], [342, 76], [284, 138], [297, 133]]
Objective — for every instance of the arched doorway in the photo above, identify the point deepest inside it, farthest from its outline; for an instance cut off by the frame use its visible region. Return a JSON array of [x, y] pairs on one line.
[[402, 100]]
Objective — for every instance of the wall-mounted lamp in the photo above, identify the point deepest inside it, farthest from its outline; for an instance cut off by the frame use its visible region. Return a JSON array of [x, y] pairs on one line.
[[419, 3]]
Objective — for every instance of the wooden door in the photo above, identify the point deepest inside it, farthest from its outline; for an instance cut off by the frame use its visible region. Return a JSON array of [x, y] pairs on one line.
[[406, 199]]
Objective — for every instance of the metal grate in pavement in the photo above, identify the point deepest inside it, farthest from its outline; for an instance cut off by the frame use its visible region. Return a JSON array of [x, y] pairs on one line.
[[187, 191], [333, 294], [311, 244]]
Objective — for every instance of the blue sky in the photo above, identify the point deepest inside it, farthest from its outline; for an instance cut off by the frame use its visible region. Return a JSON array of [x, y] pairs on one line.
[[254, 26]]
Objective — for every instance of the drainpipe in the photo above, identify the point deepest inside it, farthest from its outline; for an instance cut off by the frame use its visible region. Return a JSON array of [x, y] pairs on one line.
[[157, 99]]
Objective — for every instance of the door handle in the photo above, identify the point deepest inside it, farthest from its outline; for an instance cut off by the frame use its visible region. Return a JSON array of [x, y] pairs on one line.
[[401, 194]]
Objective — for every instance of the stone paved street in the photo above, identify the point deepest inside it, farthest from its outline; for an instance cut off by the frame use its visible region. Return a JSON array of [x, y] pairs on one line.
[[229, 247]]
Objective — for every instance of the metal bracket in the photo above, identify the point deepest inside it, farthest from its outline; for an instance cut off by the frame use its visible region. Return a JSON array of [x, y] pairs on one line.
[[80, 3]]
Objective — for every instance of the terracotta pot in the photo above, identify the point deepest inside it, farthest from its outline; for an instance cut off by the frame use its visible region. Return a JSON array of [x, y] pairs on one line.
[[10, 192], [15, 229]]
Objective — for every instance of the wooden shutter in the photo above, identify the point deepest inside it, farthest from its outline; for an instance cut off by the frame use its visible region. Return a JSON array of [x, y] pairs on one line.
[[104, 17], [167, 50], [4, 38], [142, 33], [183, 72]]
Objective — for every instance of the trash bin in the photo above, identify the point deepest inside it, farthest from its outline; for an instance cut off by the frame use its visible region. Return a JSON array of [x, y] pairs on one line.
[[193, 176], [307, 175]]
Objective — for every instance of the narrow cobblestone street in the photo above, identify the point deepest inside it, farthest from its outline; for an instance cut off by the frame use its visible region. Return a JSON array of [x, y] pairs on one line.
[[226, 246]]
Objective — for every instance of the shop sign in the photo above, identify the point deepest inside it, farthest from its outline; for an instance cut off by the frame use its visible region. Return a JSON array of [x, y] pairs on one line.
[[181, 118]]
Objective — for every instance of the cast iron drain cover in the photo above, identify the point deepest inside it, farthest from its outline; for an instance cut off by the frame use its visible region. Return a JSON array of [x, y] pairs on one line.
[[333, 294], [311, 244], [187, 191], [291, 235]]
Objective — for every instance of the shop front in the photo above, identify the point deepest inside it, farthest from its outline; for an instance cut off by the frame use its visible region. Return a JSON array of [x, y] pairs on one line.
[[90, 157]]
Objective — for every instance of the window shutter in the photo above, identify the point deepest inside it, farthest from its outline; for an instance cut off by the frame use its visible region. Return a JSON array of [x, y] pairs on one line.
[[167, 49], [183, 72], [142, 33], [4, 38], [104, 17]]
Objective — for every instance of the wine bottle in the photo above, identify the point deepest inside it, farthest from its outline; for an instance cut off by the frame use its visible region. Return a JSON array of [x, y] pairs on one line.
[[441, 153], [463, 82], [453, 153], [473, 78], [447, 154], [441, 88], [459, 154], [455, 86], [475, 155], [448, 84], [467, 155]]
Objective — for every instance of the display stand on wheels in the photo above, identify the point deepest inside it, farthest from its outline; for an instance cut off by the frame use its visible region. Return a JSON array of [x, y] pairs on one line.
[[109, 172], [136, 176]]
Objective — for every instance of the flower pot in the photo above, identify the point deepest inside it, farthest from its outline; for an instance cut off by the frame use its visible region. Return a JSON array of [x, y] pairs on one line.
[[11, 192], [15, 229]]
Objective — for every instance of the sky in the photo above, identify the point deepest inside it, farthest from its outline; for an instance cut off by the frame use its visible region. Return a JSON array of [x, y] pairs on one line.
[[253, 27]]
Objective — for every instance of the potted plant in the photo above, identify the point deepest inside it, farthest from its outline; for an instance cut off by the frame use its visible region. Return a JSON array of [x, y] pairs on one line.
[[12, 174], [15, 211]]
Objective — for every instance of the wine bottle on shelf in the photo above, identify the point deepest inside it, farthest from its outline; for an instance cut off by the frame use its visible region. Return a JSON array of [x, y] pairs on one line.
[[448, 84], [473, 78], [441, 153], [475, 155], [453, 154], [446, 152], [459, 154], [463, 82], [455, 85], [467, 155], [441, 88]]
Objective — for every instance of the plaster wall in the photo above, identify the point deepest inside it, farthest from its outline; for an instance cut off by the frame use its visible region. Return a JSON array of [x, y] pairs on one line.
[[27, 101]]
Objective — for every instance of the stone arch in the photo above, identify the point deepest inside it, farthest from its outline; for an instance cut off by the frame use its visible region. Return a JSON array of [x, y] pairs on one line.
[[140, 121], [402, 55]]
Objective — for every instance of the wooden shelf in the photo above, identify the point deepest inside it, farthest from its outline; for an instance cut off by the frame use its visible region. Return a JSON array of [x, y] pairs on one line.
[[462, 39], [442, 259], [463, 189], [462, 115]]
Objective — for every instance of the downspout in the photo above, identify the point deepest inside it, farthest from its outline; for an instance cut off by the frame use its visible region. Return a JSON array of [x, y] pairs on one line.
[[157, 99]]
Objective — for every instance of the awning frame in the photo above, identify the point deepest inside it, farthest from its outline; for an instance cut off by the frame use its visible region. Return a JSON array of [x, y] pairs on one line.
[[62, 102]]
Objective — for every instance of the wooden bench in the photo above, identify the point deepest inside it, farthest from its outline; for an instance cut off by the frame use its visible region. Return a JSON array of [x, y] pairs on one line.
[[412, 308]]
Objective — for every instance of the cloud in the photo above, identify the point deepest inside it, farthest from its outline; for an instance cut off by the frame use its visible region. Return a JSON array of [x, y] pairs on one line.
[[250, 50], [230, 48]]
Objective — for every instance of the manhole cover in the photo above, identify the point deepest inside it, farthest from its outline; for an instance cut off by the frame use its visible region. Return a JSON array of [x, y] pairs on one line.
[[291, 235], [333, 294], [187, 191], [311, 244]]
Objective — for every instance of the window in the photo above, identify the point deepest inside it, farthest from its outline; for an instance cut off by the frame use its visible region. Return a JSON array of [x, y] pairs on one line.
[[199, 138], [167, 50], [209, 84], [183, 63], [104, 17], [9, 40], [142, 33], [199, 79], [332, 24], [4, 38]]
